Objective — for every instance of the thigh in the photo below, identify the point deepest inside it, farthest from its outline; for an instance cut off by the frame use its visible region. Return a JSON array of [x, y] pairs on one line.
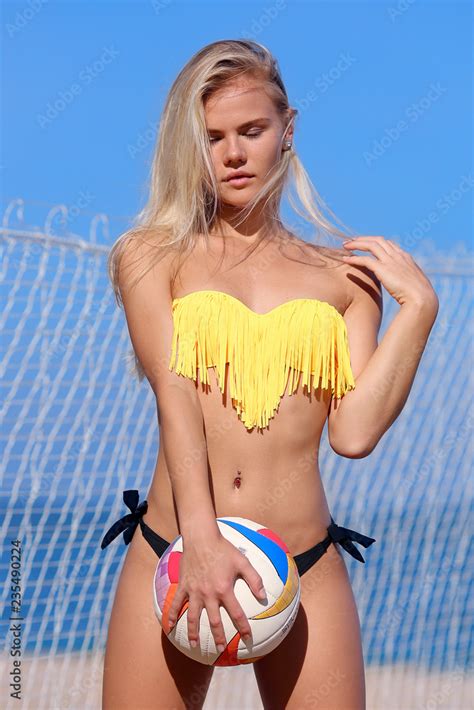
[[142, 668], [320, 663]]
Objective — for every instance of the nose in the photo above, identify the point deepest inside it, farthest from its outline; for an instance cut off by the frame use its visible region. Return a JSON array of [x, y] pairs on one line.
[[234, 152]]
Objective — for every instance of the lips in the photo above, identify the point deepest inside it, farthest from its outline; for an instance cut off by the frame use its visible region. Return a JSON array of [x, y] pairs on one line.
[[236, 176]]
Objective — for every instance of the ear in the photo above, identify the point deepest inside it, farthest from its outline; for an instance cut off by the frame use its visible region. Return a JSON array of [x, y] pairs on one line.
[[290, 131]]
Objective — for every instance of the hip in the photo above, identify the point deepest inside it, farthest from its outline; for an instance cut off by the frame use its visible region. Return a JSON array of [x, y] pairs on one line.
[[304, 561]]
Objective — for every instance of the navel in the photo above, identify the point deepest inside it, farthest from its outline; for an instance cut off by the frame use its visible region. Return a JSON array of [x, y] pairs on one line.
[[237, 480]]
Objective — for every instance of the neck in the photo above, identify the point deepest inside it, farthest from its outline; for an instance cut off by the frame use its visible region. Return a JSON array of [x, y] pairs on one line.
[[248, 231]]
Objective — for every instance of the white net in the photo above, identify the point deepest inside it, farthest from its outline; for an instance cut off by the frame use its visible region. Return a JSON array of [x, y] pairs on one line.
[[77, 430]]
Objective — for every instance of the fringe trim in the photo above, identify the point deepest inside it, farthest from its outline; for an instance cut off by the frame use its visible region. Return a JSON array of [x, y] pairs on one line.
[[265, 352]]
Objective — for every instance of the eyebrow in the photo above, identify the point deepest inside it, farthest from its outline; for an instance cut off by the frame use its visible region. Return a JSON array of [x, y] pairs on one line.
[[243, 125]]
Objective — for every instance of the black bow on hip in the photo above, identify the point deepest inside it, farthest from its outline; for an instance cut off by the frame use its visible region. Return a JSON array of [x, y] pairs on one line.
[[344, 536], [129, 522]]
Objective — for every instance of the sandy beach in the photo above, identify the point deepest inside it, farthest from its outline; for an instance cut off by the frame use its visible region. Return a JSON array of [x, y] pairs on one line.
[[74, 682]]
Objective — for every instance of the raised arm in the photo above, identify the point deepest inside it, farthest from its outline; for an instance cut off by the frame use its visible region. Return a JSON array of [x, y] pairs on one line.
[[383, 373], [148, 312]]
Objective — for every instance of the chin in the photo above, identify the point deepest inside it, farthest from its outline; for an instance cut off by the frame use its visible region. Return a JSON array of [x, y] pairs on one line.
[[233, 205], [237, 195]]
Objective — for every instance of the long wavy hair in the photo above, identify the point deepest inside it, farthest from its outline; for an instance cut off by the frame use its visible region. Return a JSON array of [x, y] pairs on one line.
[[183, 199]]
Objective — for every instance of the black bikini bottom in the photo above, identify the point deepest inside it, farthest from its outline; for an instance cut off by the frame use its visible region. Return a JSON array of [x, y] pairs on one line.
[[304, 561]]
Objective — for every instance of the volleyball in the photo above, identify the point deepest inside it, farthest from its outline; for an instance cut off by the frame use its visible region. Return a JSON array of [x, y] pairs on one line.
[[270, 620]]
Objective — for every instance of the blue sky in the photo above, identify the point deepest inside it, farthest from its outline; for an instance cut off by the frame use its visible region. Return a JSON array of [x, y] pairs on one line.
[[384, 92]]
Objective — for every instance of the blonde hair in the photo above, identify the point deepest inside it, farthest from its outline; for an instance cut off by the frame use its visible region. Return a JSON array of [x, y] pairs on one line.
[[183, 196]]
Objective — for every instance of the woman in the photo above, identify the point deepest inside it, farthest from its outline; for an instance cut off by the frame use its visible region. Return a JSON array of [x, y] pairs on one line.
[[250, 338]]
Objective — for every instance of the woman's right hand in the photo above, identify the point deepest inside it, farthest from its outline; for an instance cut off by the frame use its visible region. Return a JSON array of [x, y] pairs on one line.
[[207, 574]]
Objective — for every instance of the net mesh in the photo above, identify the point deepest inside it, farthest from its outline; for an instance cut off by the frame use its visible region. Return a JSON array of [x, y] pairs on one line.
[[77, 430]]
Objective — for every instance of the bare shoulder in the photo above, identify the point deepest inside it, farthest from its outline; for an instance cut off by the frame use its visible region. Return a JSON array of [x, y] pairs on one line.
[[144, 256], [144, 268], [318, 253], [363, 315], [363, 284], [356, 280]]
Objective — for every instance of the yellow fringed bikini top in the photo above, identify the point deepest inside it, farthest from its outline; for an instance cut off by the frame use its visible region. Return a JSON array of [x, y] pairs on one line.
[[302, 336]]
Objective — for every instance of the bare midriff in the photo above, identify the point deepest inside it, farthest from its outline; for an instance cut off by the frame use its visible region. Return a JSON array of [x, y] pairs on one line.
[[270, 475]]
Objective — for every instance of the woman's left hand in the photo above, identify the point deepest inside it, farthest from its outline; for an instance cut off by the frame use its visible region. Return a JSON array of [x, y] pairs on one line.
[[397, 270]]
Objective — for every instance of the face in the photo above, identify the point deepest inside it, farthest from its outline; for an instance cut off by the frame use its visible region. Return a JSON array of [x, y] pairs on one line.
[[246, 134]]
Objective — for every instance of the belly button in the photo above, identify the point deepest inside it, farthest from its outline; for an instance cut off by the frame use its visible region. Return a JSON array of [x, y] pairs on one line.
[[237, 480]]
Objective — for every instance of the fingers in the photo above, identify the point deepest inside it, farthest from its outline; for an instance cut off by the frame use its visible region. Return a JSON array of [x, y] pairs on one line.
[[194, 617], [373, 244], [239, 618], [396, 246], [178, 601], [223, 596], [215, 623], [195, 607], [253, 579]]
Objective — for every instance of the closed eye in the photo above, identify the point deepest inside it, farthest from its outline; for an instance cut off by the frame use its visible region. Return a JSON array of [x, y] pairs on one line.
[[247, 135]]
